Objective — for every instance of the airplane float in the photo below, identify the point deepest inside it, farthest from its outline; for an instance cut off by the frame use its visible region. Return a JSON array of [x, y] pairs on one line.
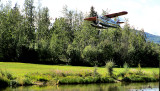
[[103, 22]]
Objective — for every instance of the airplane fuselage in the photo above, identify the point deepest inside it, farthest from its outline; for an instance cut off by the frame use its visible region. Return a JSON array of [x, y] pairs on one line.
[[106, 22]]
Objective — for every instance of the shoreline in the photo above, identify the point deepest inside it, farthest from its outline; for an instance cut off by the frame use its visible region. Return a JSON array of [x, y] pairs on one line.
[[29, 80], [16, 74]]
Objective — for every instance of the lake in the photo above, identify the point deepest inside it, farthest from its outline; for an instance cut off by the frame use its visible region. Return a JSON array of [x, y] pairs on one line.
[[153, 86]]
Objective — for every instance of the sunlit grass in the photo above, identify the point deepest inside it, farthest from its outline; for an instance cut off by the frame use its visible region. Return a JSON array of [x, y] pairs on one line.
[[20, 69]]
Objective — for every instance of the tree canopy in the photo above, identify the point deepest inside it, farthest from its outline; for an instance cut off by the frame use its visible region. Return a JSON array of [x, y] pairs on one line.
[[29, 36]]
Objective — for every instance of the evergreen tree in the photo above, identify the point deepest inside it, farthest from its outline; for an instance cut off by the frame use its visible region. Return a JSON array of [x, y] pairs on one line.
[[60, 39], [43, 31], [93, 13], [29, 21], [11, 24]]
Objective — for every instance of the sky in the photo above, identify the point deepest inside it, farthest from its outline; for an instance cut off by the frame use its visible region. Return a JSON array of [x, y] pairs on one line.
[[142, 14]]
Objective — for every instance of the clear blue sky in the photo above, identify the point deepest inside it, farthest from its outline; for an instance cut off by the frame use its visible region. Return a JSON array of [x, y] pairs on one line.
[[141, 13]]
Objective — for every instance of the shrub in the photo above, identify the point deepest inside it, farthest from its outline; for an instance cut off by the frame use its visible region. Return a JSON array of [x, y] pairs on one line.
[[86, 80], [14, 83], [38, 77], [126, 79], [6, 74], [4, 82], [27, 81], [107, 80], [5, 78], [71, 80], [155, 75], [139, 68], [109, 67], [126, 67]]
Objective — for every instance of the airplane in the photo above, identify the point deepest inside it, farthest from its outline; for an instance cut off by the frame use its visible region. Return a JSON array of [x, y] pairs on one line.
[[103, 22]]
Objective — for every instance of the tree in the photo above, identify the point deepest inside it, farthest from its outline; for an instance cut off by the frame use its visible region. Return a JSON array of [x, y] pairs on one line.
[[73, 20], [27, 46], [11, 24], [43, 31], [93, 13], [60, 40], [29, 21]]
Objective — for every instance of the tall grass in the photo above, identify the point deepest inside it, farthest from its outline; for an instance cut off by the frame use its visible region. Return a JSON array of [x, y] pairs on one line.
[[5, 78]]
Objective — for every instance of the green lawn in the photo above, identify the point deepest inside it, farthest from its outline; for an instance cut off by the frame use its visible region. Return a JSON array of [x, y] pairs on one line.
[[20, 69]]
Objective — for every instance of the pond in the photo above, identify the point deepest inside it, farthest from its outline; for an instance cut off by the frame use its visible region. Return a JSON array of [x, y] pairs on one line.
[[154, 86]]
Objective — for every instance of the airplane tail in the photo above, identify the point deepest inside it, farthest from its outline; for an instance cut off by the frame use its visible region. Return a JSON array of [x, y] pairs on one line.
[[119, 22]]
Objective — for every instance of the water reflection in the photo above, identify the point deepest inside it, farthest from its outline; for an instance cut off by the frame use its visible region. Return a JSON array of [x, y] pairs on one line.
[[91, 87]]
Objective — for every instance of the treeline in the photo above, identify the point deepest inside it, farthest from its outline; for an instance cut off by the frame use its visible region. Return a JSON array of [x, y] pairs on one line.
[[29, 36]]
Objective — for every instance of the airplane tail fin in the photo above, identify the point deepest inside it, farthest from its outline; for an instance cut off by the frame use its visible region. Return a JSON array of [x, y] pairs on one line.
[[119, 22]]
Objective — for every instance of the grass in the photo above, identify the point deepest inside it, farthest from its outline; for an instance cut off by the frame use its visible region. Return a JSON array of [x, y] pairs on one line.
[[20, 69], [26, 73]]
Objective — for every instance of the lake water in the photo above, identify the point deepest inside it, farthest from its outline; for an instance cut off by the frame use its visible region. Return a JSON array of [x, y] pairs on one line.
[[91, 87]]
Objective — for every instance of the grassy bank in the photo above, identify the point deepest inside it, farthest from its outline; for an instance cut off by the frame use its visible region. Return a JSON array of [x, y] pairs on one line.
[[12, 73]]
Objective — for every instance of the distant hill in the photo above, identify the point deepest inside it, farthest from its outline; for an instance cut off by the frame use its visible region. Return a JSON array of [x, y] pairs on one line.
[[154, 38]]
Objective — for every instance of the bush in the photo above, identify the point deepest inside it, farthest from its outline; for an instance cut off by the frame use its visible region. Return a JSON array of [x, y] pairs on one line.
[[27, 81], [6, 74], [4, 82], [137, 78], [109, 67], [126, 68], [107, 80], [14, 83], [71, 80], [88, 79], [156, 76], [84, 80], [126, 79], [5, 78], [38, 77]]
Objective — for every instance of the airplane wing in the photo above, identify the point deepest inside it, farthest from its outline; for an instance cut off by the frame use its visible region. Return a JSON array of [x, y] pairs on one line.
[[116, 14], [90, 19]]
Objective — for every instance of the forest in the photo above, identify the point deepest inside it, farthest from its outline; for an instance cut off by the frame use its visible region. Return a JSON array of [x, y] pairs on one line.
[[28, 35]]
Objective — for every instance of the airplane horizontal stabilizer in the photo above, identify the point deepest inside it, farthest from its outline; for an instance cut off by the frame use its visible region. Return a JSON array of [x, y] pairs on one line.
[[120, 22]]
